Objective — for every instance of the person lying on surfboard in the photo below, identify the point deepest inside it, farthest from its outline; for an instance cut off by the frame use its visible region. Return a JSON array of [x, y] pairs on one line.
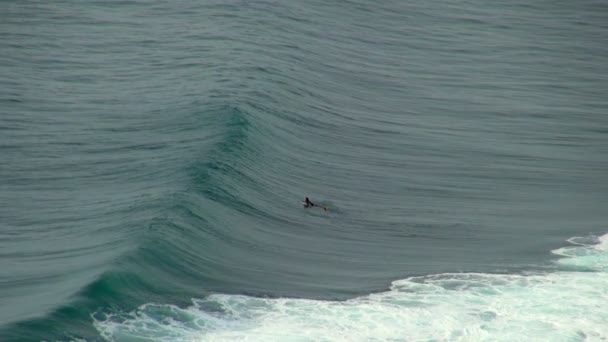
[[308, 204]]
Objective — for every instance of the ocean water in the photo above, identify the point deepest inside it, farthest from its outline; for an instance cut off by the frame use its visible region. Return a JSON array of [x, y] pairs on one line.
[[154, 156]]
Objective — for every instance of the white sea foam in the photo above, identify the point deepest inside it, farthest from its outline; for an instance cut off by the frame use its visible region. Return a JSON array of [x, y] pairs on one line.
[[567, 305], [603, 245]]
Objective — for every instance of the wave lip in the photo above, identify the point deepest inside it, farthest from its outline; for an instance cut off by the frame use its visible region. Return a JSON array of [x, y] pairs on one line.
[[583, 256], [556, 306]]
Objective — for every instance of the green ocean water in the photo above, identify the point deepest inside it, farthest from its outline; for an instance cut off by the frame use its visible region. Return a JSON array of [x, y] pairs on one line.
[[154, 156]]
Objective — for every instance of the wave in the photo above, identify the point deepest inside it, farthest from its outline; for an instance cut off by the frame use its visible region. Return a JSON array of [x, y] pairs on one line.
[[566, 304], [223, 218], [105, 210]]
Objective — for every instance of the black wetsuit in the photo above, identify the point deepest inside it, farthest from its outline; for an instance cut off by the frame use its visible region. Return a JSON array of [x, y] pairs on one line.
[[308, 203]]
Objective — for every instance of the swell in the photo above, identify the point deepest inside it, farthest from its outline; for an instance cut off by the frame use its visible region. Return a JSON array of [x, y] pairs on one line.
[[128, 198], [114, 246]]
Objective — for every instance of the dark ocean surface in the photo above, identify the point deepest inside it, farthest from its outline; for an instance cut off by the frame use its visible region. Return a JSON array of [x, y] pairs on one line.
[[154, 156]]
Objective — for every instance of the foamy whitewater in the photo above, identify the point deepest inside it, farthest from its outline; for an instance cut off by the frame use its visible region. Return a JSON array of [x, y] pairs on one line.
[[569, 304]]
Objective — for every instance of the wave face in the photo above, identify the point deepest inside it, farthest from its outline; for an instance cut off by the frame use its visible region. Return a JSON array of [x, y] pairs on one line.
[[155, 152]]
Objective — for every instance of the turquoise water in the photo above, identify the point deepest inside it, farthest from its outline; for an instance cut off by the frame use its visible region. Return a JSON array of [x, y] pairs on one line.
[[155, 156]]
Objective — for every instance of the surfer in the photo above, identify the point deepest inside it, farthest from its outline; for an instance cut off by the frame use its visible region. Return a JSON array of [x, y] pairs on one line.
[[308, 203]]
